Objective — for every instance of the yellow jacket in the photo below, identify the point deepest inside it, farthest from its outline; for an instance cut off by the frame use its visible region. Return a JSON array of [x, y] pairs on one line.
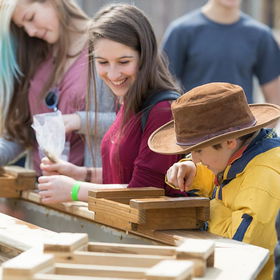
[[249, 204]]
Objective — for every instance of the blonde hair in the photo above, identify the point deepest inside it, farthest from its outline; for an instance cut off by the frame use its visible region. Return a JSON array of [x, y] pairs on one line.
[[30, 55]]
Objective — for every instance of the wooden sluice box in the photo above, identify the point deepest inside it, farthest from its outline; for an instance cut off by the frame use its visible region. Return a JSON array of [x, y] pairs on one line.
[[147, 209], [70, 256], [14, 180]]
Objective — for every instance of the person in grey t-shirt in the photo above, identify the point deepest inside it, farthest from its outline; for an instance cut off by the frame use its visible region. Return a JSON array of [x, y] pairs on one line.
[[219, 43]]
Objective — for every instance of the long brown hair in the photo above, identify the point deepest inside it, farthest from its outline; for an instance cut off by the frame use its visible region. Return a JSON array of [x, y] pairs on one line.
[[126, 24], [31, 52]]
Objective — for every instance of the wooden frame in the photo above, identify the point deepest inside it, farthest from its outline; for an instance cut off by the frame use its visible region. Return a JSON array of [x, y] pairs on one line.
[[70, 256], [147, 209]]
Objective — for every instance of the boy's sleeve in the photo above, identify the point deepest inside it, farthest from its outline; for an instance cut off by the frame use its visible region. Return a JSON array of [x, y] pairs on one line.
[[203, 180]]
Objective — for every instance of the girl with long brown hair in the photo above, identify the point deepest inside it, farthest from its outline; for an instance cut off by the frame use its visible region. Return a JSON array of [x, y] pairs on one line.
[[126, 58]]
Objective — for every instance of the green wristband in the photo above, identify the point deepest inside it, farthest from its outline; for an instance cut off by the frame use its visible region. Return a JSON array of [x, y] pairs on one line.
[[75, 191]]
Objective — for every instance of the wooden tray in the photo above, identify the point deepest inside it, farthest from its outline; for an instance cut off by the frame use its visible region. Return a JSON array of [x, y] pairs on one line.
[[70, 256], [14, 179], [147, 208]]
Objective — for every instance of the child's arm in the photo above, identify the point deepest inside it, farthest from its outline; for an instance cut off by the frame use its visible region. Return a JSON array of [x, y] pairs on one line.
[[185, 175]]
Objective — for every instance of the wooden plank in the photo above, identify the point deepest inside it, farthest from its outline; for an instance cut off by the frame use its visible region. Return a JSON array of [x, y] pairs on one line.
[[18, 171], [126, 193], [170, 270], [40, 276], [198, 248], [7, 252], [112, 259], [7, 187], [169, 202], [197, 251], [26, 264], [131, 249], [21, 235], [203, 213], [24, 179], [14, 179], [77, 208], [160, 219], [113, 209], [65, 242], [112, 221], [100, 271]]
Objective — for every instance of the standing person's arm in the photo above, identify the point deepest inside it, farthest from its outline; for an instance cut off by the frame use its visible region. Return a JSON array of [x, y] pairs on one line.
[[9, 151], [271, 91], [174, 46], [267, 67]]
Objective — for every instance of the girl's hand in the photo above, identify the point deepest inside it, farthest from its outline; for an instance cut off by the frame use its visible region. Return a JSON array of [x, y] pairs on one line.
[[62, 168], [56, 188], [181, 174]]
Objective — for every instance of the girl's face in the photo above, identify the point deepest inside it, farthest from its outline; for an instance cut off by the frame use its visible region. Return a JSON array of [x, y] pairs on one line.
[[39, 19], [116, 64]]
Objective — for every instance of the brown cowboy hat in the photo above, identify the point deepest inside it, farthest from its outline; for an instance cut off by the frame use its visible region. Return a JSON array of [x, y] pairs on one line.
[[208, 115]]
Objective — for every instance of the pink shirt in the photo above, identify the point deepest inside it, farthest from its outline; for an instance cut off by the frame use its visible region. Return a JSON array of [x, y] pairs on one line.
[[127, 159], [72, 92]]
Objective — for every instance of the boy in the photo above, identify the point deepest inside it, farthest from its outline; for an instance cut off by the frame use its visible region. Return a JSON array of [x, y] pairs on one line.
[[233, 160]]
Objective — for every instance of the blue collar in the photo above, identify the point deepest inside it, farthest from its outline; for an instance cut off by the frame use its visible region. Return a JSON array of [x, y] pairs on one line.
[[266, 140]]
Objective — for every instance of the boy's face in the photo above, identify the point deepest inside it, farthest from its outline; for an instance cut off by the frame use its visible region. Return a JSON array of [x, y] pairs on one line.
[[216, 159]]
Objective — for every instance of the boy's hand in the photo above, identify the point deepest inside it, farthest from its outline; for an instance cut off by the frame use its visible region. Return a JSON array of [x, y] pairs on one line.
[[181, 174]]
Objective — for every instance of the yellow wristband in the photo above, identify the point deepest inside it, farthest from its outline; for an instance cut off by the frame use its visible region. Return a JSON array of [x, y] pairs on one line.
[[75, 191]]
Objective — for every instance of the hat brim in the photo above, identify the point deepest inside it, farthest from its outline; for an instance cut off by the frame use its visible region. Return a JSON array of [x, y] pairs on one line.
[[163, 140]]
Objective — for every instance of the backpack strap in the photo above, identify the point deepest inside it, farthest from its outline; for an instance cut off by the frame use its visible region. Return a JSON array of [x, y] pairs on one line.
[[152, 100]]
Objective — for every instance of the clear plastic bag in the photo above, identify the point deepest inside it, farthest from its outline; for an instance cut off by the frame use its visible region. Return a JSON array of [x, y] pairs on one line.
[[50, 133]]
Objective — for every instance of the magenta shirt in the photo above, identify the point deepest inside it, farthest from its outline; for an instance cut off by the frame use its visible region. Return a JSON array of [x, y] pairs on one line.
[[72, 92], [127, 159]]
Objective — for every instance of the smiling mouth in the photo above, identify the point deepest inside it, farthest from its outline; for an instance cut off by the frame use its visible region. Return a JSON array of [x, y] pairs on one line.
[[118, 83]]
